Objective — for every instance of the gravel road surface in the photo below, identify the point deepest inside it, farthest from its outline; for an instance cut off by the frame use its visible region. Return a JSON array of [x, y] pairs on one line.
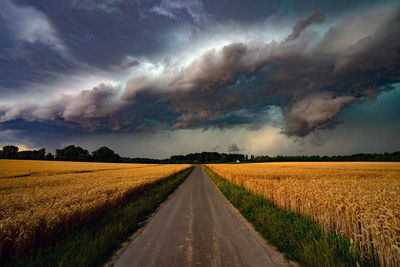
[[197, 226]]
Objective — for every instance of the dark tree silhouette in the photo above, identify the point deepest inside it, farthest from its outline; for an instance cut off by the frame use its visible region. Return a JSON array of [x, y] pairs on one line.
[[32, 154], [104, 154], [49, 156], [10, 152], [73, 153]]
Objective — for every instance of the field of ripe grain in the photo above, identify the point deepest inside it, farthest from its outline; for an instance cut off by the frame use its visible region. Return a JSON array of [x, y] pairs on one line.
[[40, 201], [358, 200]]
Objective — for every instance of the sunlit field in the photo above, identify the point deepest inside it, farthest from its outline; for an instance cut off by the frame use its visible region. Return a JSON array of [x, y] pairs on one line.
[[360, 200], [39, 199]]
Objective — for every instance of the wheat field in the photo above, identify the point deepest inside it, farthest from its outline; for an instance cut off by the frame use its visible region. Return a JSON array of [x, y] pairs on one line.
[[358, 200], [39, 199]]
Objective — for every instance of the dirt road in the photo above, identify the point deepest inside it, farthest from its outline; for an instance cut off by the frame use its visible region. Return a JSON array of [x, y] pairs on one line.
[[199, 227]]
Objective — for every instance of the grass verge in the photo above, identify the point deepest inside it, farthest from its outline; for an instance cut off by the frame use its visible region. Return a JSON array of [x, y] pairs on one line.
[[94, 243], [300, 238]]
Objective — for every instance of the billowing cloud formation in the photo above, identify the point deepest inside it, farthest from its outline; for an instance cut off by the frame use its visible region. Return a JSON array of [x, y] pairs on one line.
[[301, 25], [309, 76], [88, 108], [315, 110]]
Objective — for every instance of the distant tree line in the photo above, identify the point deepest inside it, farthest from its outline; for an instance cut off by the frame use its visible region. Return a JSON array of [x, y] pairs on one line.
[[207, 157], [11, 152], [68, 153], [105, 154], [395, 156], [214, 157]]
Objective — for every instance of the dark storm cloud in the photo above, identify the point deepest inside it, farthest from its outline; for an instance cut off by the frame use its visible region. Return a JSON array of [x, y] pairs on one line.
[[301, 25], [258, 10], [98, 109], [29, 50], [311, 85], [315, 111], [31, 63], [310, 79], [103, 33], [48, 134], [91, 109], [241, 11]]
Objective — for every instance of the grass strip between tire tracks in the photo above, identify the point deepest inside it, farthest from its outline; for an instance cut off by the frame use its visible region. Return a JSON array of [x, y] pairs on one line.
[[93, 244], [300, 238]]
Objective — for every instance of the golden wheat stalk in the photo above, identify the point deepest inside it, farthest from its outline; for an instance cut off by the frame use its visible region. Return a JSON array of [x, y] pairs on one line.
[[358, 200]]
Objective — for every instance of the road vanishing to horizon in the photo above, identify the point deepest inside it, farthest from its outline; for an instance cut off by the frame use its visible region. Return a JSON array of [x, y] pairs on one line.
[[105, 105], [197, 226]]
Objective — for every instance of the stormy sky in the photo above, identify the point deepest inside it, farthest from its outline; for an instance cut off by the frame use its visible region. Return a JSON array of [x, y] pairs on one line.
[[156, 78]]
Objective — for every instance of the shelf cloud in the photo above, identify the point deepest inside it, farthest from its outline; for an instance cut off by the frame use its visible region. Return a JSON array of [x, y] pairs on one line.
[[321, 66]]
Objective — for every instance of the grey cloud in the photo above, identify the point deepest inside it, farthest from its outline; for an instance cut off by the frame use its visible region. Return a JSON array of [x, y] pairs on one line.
[[310, 83], [18, 21], [289, 76], [233, 148], [367, 44], [314, 110], [193, 9], [7, 135], [301, 25], [30, 49], [92, 109], [214, 68], [102, 33], [127, 64], [241, 11], [138, 82], [258, 10], [19, 111], [108, 6]]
